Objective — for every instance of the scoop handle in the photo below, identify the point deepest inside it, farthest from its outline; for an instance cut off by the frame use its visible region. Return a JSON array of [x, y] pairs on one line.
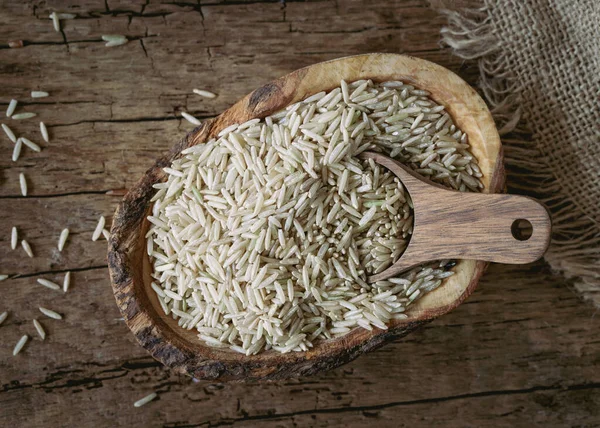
[[474, 226]]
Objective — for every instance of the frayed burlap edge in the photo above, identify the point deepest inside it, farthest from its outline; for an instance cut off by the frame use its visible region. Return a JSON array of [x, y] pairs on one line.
[[575, 247]]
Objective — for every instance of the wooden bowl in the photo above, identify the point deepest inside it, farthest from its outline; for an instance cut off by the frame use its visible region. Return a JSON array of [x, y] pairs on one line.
[[181, 349]]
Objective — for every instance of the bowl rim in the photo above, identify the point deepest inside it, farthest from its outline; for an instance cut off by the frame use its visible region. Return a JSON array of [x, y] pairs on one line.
[[167, 342]]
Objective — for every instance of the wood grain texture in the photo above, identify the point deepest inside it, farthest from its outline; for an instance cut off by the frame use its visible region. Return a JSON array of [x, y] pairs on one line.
[[455, 225], [521, 351], [179, 348]]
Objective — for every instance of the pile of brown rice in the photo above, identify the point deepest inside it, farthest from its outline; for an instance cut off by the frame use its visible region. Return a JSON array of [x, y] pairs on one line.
[[263, 237]]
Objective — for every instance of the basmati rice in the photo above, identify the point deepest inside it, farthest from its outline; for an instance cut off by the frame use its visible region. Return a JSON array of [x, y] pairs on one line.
[[23, 184], [40, 329], [99, 228], [204, 93], [115, 43], [148, 398], [49, 284], [50, 313], [55, 21], [113, 37], [3, 317], [17, 150], [190, 118], [11, 135], [21, 116], [27, 248], [66, 281], [44, 132], [31, 144], [3, 277], [264, 237], [14, 238], [62, 240], [39, 94], [12, 105], [20, 344]]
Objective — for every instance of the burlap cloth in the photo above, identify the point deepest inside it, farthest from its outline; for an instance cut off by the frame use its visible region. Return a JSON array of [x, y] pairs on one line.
[[540, 74]]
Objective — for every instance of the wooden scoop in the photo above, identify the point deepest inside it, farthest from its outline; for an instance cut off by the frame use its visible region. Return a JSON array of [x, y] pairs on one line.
[[180, 349], [456, 225]]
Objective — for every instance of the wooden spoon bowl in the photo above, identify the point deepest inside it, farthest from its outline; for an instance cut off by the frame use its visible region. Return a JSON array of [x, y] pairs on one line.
[[181, 349]]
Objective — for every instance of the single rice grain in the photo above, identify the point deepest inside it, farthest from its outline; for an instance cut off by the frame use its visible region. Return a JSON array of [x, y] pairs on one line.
[[114, 43], [21, 116], [11, 135], [14, 238], [39, 94], [23, 184], [190, 118], [3, 317], [27, 248], [40, 329], [148, 398], [17, 150], [99, 228], [12, 105], [50, 313], [62, 240], [44, 132], [31, 144], [19, 346], [46, 283], [204, 93], [55, 21], [67, 281], [3, 277]]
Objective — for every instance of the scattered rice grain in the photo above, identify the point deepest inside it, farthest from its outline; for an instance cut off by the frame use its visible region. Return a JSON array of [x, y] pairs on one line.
[[23, 184], [12, 105], [44, 132], [14, 238], [40, 329], [50, 313], [20, 344], [67, 281], [99, 228], [11, 135], [39, 94], [190, 118], [27, 248], [204, 93], [21, 116], [148, 398], [62, 240], [46, 283], [31, 144]]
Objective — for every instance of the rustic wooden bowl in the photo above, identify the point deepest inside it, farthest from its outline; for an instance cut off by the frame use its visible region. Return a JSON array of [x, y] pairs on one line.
[[181, 349]]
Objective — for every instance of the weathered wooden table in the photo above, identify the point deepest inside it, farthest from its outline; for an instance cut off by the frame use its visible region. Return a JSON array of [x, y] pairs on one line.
[[522, 351]]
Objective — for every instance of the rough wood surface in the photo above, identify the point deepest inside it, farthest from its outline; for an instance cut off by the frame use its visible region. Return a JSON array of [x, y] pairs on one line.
[[180, 349], [522, 351]]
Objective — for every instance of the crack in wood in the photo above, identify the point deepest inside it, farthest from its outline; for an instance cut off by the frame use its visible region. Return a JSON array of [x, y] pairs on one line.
[[383, 406], [57, 271], [55, 195]]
